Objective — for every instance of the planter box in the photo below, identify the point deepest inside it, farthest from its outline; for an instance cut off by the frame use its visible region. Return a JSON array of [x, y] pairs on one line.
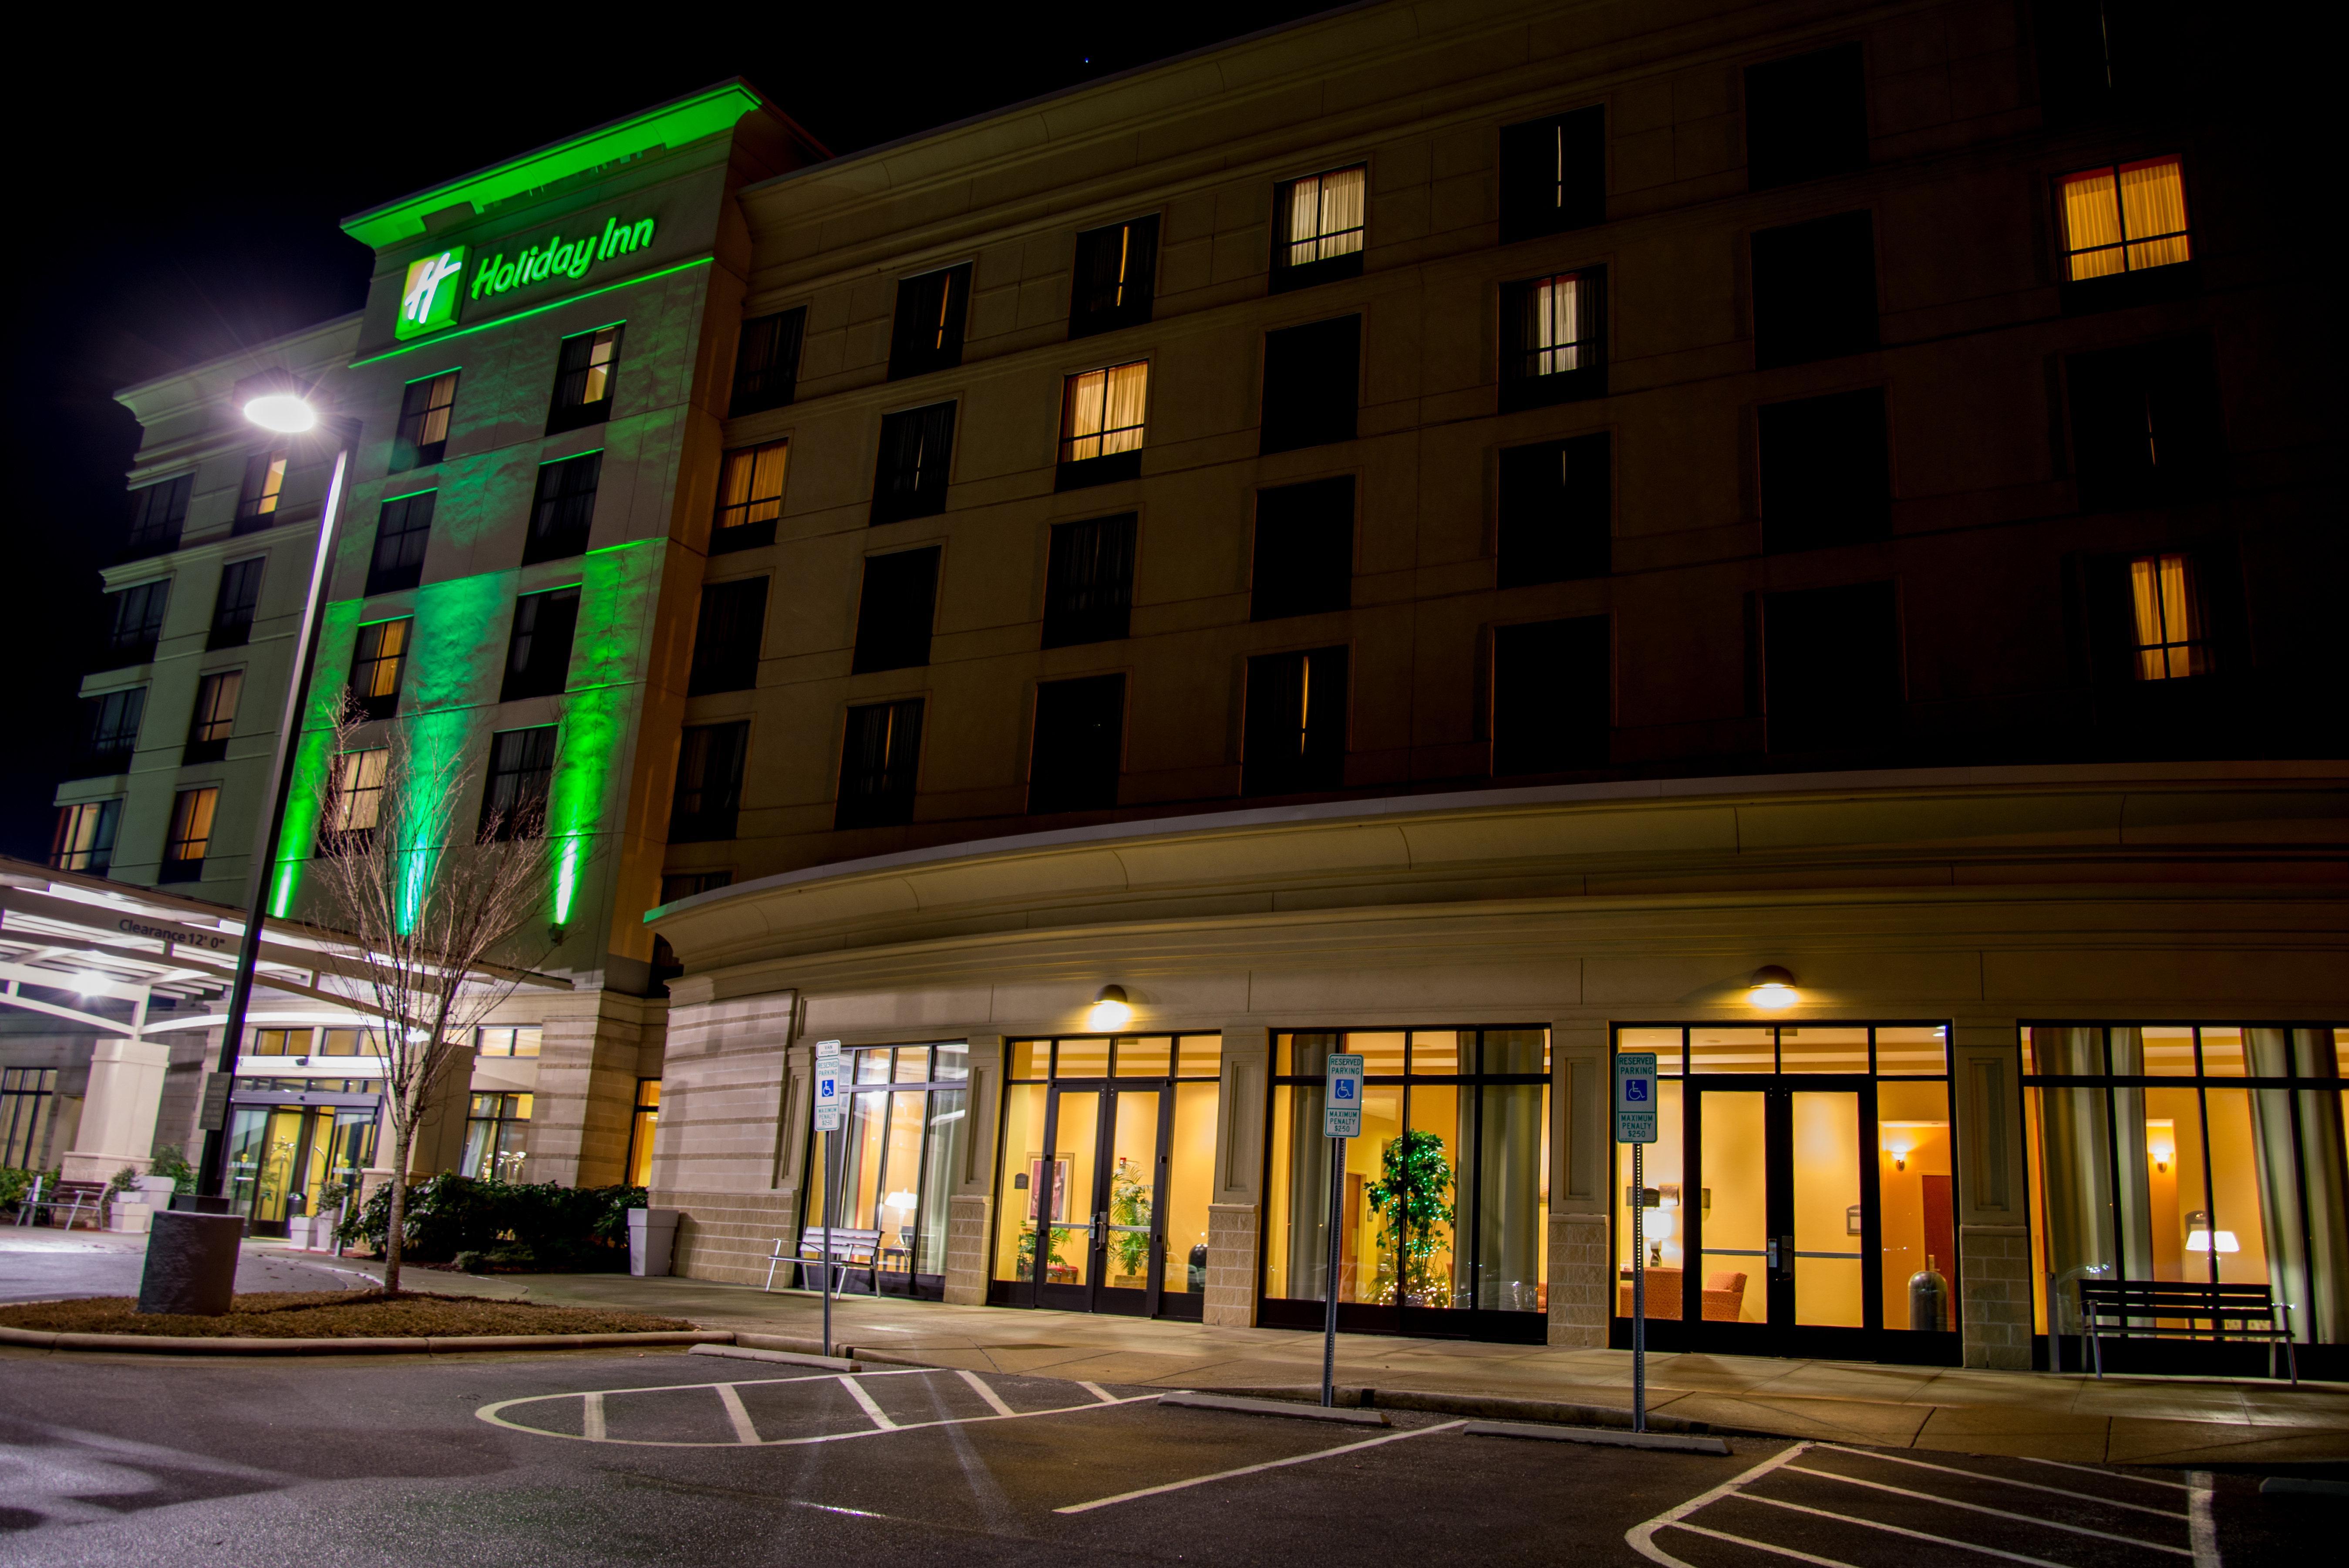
[[652, 1238]]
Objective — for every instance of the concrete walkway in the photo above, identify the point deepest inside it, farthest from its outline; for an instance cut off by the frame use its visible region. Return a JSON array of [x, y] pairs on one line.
[[2120, 1420]]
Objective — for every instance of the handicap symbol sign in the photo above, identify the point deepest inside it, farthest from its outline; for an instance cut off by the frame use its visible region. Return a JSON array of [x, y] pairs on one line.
[[1635, 1089], [1341, 1089]]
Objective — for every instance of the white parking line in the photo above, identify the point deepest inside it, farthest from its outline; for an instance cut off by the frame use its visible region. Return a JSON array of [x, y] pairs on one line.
[[2093, 1470], [1641, 1538], [994, 1400], [2002, 1480], [1895, 1530], [872, 1407], [1097, 1391], [2201, 1529], [743, 1431], [591, 1420], [1252, 1470], [1996, 1512]]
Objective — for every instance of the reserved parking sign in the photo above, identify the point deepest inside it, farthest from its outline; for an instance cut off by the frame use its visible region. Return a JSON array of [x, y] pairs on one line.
[[1341, 1113], [1635, 1097]]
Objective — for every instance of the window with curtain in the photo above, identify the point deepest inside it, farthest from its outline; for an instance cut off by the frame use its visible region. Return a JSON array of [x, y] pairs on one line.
[[1553, 336], [425, 407], [749, 497], [893, 1164], [233, 606], [2208, 1153], [401, 532], [562, 511], [1312, 384], [895, 610], [925, 332], [378, 658], [505, 1040], [1826, 471], [538, 649], [767, 362], [1116, 268], [1302, 562], [214, 716], [1554, 174], [354, 800], [84, 840], [2125, 217], [1102, 414], [2173, 637], [709, 799], [585, 370], [909, 479], [497, 1135], [1321, 227], [1088, 580], [521, 770], [189, 836], [264, 488], [641, 1124], [880, 761], [1293, 737]]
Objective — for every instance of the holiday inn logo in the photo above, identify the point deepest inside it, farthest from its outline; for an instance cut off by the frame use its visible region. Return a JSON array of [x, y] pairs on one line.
[[427, 300], [556, 256]]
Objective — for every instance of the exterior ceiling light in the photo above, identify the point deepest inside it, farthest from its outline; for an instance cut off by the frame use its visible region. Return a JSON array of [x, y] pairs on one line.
[[284, 412], [1110, 1011], [1772, 987]]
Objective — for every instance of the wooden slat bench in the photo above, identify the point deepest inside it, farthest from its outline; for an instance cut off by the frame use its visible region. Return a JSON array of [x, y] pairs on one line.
[[71, 1199], [2173, 1309], [850, 1250]]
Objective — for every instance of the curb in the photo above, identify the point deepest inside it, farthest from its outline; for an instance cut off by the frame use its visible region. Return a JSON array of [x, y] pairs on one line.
[[196, 1344], [1484, 1407], [1354, 1417], [1610, 1437], [779, 1358]]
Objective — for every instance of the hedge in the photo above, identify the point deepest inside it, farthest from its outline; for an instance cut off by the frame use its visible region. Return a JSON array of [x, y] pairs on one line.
[[518, 1225]]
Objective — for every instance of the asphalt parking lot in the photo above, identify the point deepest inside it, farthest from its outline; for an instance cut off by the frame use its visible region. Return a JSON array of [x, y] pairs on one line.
[[675, 1458]]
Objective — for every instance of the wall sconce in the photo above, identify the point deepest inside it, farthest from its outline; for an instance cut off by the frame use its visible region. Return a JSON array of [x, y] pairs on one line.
[[1771, 987], [1899, 1157], [2161, 1159], [1111, 1013]]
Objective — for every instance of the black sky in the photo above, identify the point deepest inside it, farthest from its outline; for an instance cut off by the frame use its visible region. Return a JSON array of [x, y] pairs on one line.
[[176, 198]]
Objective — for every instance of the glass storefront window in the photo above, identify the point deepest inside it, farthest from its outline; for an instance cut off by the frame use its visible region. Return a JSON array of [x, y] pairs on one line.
[[1916, 1195], [1442, 1203], [1733, 1051], [1921, 1051], [1811, 1049], [903, 1138], [497, 1129], [643, 1121]]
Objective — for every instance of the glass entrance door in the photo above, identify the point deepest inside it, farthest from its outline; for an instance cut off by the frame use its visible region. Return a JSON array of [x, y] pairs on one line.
[[1784, 1262], [1105, 1244]]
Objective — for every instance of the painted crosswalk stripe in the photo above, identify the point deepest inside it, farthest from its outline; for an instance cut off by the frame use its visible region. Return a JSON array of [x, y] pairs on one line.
[[994, 1400], [743, 1431], [872, 1407]]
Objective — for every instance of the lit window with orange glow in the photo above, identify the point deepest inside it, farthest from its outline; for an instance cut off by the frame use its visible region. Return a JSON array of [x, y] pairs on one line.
[[1102, 411], [2125, 217], [2172, 635]]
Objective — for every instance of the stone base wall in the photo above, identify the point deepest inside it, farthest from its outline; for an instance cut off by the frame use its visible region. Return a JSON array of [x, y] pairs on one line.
[[1995, 1303], [969, 1218], [1581, 1292], [728, 1236], [1231, 1265]]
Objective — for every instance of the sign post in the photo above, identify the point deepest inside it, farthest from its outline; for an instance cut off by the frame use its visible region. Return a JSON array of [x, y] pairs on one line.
[[1342, 1118], [831, 1108], [1635, 1123]]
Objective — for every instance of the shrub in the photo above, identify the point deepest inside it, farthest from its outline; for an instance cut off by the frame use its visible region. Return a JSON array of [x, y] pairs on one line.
[[473, 1262], [531, 1225], [13, 1185], [171, 1160]]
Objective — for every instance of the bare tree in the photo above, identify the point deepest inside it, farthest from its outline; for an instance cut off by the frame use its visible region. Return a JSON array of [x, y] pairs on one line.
[[444, 902]]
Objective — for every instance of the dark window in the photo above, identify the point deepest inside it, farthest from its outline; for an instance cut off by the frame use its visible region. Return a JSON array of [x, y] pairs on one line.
[[514, 798], [1815, 290], [1552, 696], [538, 653], [910, 480], [585, 373], [1317, 228], [893, 616], [1089, 581], [1831, 666], [158, 514], [400, 535], [1310, 375], [1294, 737], [1554, 339], [110, 732], [1805, 116], [1304, 561], [1826, 478], [189, 836], [233, 606], [927, 333], [673, 886], [422, 438], [767, 362], [2145, 428], [1116, 271], [85, 836], [134, 620], [1080, 726], [215, 717], [378, 659], [1557, 504], [264, 487], [726, 637], [2098, 56], [1102, 415], [563, 509], [1554, 174], [879, 760], [709, 782], [749, 497]]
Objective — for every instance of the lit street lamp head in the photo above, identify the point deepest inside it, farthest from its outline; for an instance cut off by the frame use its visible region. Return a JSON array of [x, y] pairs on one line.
[[287, 413]]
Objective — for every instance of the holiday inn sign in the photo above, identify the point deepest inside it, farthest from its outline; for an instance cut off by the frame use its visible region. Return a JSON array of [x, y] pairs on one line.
[[435, 284]]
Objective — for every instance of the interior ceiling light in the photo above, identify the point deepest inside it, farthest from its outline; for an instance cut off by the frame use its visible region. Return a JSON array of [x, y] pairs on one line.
[[1110, 1011], [1772, 987]]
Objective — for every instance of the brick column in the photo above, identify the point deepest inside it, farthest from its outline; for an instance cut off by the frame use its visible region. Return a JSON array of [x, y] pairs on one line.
[[1993, 1208], [1236, 1205], [1581, 1292], [970, 1217], [1995, 1295]]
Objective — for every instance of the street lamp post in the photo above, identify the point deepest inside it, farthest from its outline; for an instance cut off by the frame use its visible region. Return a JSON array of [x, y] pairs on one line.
[[287, 413]]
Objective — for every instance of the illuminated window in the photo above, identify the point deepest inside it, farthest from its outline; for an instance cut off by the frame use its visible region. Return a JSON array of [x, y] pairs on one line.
[[496, 1133], [355, 794], [264, 486], [925, 334], [1294, 736], [584, 375], [27, 1095], [878, 763], [563, 509], [157, 513], [85, 836], [424, 410], [215, 717], [191, 834], [506, 1041], [767, 362], [233, 606], [2125, 217], [910, 478], [280, 1042], [1319, 220], [400, 535], [514, 798], [2173, 636], [110, 731], [1116, 272], [1554, 174], [749, 497], [1102, 415], [378, 661], [351, 1042], [640, 1132], [1552, 330]]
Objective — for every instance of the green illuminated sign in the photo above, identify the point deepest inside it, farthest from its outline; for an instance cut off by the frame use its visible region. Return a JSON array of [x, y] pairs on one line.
[[427, 300], [558, 257]]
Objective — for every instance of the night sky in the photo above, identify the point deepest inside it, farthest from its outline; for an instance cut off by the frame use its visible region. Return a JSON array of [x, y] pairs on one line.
[[179, 201]]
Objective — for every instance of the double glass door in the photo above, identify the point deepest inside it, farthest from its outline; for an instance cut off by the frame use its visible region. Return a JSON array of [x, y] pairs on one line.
[[1103, 1226], [286, 1162], [1787, 1255]]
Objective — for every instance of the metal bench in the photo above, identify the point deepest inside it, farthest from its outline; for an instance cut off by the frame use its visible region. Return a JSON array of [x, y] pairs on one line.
[[71, 1199], [850, 1250], [2170, 1309]]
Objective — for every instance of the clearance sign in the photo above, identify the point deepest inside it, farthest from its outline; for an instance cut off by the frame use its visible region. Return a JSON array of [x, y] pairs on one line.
[[436, 285]]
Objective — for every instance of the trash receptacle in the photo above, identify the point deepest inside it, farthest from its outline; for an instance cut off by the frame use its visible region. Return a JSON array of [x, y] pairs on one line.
[[652, 1235]]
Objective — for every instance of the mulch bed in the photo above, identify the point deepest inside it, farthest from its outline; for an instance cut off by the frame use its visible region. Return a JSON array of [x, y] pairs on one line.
[[333, 1314]]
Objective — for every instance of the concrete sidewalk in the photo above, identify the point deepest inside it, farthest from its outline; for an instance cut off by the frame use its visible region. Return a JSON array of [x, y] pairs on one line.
[[2076, 1418]]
